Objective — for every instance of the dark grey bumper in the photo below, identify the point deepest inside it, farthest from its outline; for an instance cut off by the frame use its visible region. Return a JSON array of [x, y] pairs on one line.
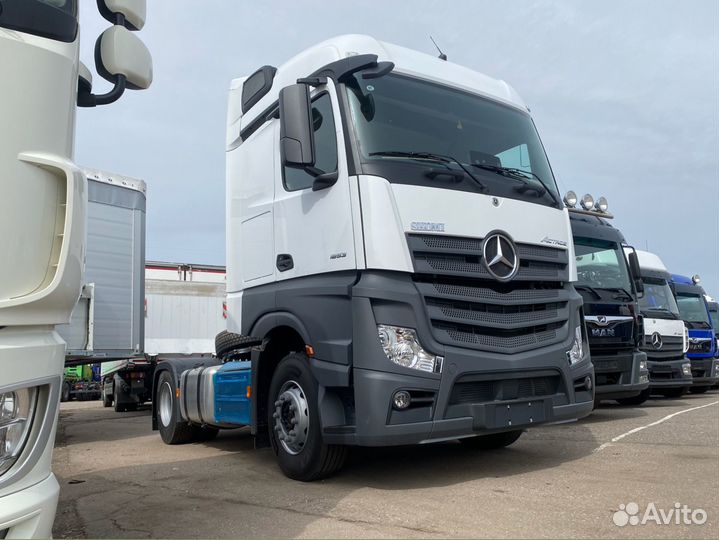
[[630, 382], [705, 371], [668, 374]]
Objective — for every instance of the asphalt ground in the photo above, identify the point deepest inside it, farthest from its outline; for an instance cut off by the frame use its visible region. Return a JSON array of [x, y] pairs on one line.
[[118, 480]]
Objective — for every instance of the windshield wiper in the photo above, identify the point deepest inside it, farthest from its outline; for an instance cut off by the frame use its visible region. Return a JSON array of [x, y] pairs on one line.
[[590, 289], [433, 157], [621, 290], [521, 176]]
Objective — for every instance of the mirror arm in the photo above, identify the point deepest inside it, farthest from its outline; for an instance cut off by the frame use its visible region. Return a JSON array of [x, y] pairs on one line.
[[325, 180], [85, 98]]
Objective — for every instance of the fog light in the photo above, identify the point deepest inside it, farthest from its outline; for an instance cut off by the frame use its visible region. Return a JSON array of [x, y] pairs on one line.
[[687, 369], [643, 379], [588, 383], [587, 202], [401, 400], [570, 199]]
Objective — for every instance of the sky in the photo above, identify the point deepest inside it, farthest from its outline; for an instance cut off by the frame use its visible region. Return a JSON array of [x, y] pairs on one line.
[[625, 96]]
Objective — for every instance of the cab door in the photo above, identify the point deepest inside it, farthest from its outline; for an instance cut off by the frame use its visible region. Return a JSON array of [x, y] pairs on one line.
[[314, 229]]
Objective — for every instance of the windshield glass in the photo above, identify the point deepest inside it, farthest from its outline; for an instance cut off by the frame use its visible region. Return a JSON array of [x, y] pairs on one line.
[[53, 19], [657, 297], [399, 114], [714, 313], [601, 265], [692, 308]]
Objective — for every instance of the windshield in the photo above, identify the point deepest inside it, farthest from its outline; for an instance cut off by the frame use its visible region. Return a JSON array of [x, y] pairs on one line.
[[53, 19], [601, 265], [714, 313], [396, 114], [658, 297], [692, 308]]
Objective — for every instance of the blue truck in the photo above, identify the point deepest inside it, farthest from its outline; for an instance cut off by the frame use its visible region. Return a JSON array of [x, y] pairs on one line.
[[693, 309]]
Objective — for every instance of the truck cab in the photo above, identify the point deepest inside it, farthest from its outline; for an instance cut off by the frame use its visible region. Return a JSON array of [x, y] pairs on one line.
[[398, 251], [665, 335], [693, 309], [609, 288]]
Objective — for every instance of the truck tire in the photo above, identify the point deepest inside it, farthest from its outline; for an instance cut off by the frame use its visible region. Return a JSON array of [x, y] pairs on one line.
[[106, 400], [673, 392], [65, 394], [226, 342], [493, 441], [294, 423], [116, 399], [636, 400], [698, 389], [173, 429]]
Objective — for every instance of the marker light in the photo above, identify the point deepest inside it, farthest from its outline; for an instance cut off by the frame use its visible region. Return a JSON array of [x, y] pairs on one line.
[[587, 202], [570, 199], [696, 279], [601, 204]]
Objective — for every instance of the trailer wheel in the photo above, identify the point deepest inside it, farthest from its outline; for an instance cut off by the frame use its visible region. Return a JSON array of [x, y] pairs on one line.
[[294, 423], [172, 429], [116, 399], [65, 395], [493, 441], [636, 400]]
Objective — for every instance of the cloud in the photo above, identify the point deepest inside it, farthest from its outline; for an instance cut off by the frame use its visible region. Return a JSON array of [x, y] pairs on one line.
[[624, 95]]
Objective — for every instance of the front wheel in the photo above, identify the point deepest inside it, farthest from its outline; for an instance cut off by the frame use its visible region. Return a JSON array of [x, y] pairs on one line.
[[493, 441], [65, 395], [294, 423], [636, 400]]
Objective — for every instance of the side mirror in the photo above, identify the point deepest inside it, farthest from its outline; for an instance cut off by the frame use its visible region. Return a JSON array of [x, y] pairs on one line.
[[297, 137], [132, 12], [122, 58], [636, 272]]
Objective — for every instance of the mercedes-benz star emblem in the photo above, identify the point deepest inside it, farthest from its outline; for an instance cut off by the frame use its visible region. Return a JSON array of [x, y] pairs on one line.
[[500, 257], [657, 340]]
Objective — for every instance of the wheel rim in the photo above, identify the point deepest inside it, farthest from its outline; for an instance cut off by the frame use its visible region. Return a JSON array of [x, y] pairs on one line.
[[165, 404], [291, 417]]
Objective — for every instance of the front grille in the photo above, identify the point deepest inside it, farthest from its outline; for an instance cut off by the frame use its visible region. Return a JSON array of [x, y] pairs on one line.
[[503, 390], [703, 346], [672, 349], [467, 307]]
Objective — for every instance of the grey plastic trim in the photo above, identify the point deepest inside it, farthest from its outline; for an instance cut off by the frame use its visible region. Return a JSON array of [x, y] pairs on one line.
[[39, 437]]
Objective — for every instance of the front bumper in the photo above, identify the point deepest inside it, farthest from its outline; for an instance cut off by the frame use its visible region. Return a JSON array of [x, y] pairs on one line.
[[620, 376], [30, 513], [668, 374], [705, 371]]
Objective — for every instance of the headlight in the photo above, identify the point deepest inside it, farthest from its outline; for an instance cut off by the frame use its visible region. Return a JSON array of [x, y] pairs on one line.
[[643, 365], [687, 369], [402, 347], [575, 354], [16, 412]]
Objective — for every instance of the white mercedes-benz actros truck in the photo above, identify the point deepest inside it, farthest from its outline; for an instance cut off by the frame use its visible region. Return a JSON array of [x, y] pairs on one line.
[[43, 200], [399, 265]]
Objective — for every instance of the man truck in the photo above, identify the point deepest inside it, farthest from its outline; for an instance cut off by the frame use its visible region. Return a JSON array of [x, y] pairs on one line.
[[693, 309], [665, 335], [42, 216], [399, 265], [609, 286]]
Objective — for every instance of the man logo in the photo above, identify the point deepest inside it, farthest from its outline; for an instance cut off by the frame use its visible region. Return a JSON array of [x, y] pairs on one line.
[[657, 340], [602, 320], [500, 257]]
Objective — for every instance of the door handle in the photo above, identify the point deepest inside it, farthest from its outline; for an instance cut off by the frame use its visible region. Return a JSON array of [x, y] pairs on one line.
[[285, 262]]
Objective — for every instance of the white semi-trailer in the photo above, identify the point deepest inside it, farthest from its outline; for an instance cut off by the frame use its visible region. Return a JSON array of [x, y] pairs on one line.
[[399, 265], [43, 201]]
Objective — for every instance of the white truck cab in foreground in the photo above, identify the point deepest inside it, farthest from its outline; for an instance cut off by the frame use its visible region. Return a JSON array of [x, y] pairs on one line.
[[43, 200], [665, 335], [397, 245]]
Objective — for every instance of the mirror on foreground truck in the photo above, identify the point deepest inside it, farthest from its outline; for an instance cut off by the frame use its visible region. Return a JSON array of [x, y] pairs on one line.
[[43, 203], [694, 311], [399, 265], [665, 336], [608, 286]]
